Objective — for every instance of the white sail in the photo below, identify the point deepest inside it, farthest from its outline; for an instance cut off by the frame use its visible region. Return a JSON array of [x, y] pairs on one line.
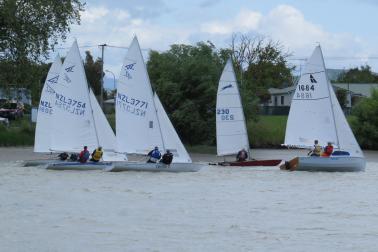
[[137, 125], [231, 129], [172, 141], [106, 137], [347, 141], [311, 115], [43, 130], [72, 121], [315, 112]]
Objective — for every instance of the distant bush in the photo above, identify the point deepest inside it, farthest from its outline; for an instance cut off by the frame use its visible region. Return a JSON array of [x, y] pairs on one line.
[[365, 124]]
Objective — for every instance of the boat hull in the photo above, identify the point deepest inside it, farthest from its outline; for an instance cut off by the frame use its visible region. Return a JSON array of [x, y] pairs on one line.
[[155, 167], [271, 162], [39, 162], [77, 166], [331, 164]]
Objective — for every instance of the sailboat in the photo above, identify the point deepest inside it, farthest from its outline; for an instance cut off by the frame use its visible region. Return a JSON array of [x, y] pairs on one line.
[[141, 121], [315, 114], [77, 119], [232, 135]]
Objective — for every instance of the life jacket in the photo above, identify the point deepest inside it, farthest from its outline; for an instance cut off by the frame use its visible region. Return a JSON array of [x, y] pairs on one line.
[[97, 154], [327, 151], [84, 155], [167, 158], [155, 155], [317, 149]]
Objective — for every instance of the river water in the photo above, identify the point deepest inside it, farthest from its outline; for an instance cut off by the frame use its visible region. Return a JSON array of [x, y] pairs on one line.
[[216, 209]]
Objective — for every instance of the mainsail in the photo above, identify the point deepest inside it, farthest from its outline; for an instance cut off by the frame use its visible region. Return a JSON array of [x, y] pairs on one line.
[[231, 129], [315, 112], [141, 121], [43, 130], [137, 126]]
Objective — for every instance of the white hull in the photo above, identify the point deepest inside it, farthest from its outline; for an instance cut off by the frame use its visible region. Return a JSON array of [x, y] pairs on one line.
[[158, 167], [77, 166], [331, 164], [41, 162]]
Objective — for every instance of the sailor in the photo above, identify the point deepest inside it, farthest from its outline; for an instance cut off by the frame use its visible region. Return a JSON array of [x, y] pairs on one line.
[[97, 154], [63, 156], [154, 155], [84, 155], [328, 150], [316, 151], [74, 156], [242, 155], [167, 158]]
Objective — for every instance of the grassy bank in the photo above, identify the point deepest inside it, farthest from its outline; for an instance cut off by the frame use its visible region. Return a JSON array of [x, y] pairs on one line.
[[19, 133], [268, 132]]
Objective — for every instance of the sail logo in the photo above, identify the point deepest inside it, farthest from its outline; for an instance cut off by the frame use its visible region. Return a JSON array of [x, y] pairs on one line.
[[54, 80], [225, 87], [128, 68], [312, 79], [70, 69]]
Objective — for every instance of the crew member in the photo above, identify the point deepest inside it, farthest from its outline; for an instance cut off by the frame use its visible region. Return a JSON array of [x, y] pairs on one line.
[[317, 150], [167, 158], [328, 150], [84, 155], [97, 154], [154, 155], [242, 155], [63, 156]]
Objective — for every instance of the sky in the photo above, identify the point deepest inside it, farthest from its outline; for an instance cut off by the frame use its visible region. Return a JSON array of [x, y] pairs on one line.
[[346, 30]]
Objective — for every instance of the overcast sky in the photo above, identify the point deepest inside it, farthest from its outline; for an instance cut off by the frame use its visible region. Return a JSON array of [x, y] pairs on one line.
[[346, 30]]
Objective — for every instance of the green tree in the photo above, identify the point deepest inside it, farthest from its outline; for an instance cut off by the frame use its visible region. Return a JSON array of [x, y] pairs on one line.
[[28, 30], [341, 95], [365, 125], [186, 79], [358, 75], [94, 73]]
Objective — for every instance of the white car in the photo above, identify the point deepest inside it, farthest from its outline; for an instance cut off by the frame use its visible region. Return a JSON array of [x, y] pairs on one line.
[[4, 121]]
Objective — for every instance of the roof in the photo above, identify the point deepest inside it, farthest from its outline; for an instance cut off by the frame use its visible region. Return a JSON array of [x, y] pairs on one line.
[[364, 89]]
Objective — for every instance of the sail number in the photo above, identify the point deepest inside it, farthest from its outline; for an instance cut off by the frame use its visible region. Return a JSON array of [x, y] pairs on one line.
[[225, 114], [305, 91], [306, 88]]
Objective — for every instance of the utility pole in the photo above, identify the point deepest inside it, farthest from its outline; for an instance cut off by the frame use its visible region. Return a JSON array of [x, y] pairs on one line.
[[102, 75]]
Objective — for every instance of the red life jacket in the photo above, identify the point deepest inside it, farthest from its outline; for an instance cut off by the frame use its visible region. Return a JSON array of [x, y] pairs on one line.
[[328, 151]]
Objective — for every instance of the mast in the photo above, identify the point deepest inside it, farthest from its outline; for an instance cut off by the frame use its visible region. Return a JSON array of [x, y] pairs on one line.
[[329, 94], [241, 103]]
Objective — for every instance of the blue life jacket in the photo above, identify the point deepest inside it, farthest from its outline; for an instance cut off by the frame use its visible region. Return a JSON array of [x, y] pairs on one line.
[[156, 154]]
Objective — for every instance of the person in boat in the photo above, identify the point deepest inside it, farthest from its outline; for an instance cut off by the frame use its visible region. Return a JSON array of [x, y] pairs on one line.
[[328, 150], [84, 155], [97, 154], [63, 156], [242, 155], [167, 158], [74, 157], [154, 155], [317, 151]]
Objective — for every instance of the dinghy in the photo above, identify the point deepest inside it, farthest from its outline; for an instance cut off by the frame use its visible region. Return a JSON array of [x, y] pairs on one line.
[[77, 119], [231, 127], [141, 121], [315, 114]]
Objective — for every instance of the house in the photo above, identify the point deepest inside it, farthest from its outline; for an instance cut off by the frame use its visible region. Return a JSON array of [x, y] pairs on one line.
[[280, 98]]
